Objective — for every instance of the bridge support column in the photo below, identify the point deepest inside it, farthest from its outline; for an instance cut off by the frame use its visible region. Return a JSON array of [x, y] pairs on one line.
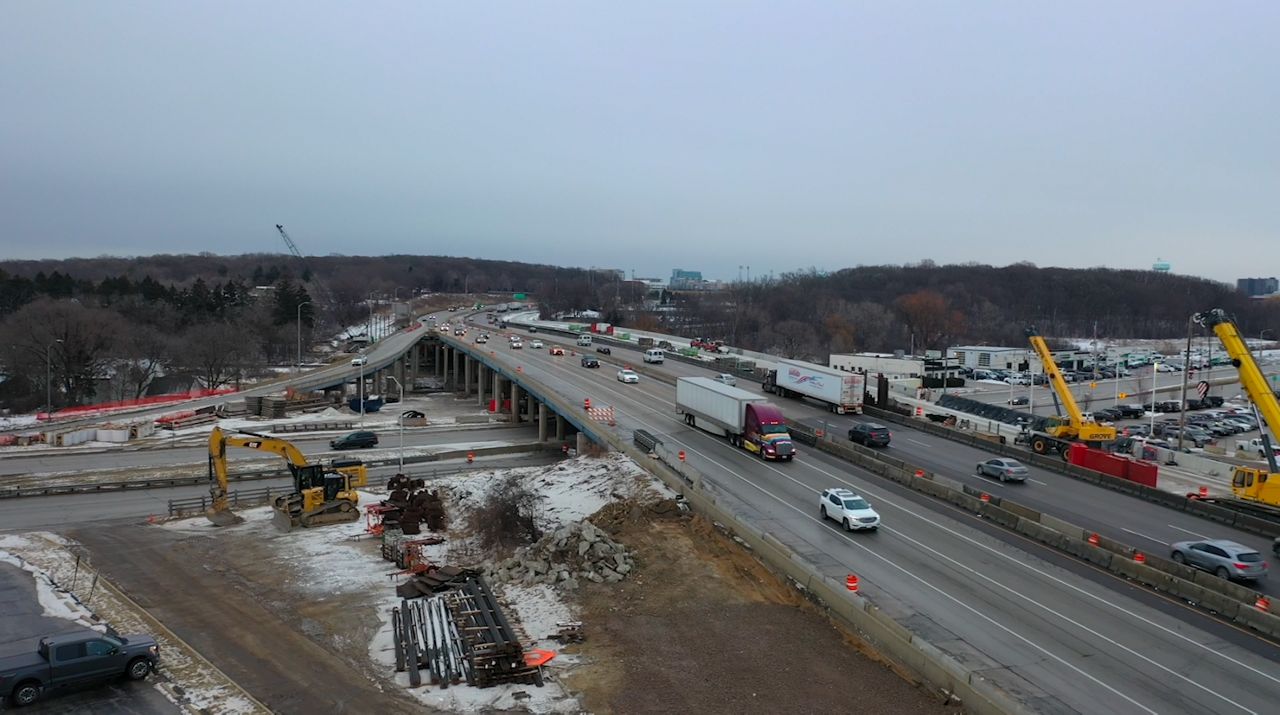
[[582, 443], [515, 403], [457, 368], [497, 392], [559, 428], [542, 422], [468, 365], [480, 386]]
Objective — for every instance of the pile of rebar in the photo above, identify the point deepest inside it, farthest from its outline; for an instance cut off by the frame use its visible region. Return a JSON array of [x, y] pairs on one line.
[[492, 648], [427, 639]]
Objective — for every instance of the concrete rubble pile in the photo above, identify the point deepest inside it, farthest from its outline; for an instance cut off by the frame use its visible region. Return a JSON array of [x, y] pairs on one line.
[[566, 556]]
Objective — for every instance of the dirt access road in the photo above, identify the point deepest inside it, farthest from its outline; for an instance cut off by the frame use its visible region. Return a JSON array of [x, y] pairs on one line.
[[704, 627], [271, 643]]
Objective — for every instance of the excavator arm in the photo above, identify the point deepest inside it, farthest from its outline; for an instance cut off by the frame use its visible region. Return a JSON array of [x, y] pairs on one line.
[[1077, 428], [220, 510]]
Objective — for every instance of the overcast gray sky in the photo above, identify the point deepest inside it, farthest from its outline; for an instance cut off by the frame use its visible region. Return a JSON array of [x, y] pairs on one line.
[[702, 135]]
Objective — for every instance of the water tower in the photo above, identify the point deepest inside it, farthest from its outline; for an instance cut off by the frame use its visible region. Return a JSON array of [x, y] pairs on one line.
[[1161, 266]]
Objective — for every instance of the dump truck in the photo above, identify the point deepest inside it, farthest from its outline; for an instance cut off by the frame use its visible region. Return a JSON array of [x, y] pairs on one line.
[[841, 391], [746, 419]]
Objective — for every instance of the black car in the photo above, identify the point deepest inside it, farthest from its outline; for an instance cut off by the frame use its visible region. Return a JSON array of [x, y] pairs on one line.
[[604, 351], [355, 440], [1131, 411], [588, 361], [870, 434], [1109, 414]]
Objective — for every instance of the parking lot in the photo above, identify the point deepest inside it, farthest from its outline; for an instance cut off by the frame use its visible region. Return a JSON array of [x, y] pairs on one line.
[[23, 622]]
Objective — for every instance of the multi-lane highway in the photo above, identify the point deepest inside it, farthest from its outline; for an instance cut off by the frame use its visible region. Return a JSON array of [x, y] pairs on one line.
[[1056, 633], [151, 456]]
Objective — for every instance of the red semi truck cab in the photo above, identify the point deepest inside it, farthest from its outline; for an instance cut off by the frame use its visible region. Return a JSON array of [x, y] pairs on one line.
[[765, 433]]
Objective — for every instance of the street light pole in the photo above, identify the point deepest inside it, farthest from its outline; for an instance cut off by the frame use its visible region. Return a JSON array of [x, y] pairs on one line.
[[305, 302], [400, 420], [370, 330], [360, 389], [48, 378], [1155, 371], [1186, 376]]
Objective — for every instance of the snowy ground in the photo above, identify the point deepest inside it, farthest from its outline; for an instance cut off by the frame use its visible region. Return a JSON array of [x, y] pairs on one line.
[[348, 561], [69, 587]]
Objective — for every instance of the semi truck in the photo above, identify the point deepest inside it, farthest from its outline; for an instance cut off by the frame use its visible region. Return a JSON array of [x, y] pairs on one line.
[[841, 391], [746, 419]]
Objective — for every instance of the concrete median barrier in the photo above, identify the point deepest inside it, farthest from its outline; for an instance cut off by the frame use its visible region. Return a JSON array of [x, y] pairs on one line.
[[1062, 527], [1268, 623]]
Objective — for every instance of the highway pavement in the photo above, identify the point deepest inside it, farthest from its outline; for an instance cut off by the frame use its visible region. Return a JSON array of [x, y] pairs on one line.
[[1056, 633], [196, 451]]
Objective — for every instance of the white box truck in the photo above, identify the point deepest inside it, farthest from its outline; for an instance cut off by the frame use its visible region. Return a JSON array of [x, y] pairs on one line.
[[745, 418], [842, 391]]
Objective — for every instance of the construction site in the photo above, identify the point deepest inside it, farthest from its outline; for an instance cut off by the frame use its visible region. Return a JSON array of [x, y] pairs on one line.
[[580, 586]]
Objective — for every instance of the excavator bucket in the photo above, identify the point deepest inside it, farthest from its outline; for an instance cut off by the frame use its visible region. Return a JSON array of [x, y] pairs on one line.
[[225, 517]]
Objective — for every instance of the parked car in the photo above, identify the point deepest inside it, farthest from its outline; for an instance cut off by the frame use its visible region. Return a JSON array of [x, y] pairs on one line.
[[1227, 559], [1004, 469], [1020, 400], [1131, 411], [726, 378], [357, 362], [628, 376], [870, 434], [75, 659], [604, 350], [355, 440], [852, 511], [557, 351], [1018, 379], [589, 361]]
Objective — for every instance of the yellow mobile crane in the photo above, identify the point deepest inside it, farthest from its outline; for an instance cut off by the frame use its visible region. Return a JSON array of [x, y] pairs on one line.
[[1059, 434], [319, 496], [1259, 489]]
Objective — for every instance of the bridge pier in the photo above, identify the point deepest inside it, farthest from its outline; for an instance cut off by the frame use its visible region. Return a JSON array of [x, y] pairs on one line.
[[542, 422], [467, 366]]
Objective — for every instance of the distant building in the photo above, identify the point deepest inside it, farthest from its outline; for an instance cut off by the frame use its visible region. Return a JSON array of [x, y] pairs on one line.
[[1257, 286], [991, 356]]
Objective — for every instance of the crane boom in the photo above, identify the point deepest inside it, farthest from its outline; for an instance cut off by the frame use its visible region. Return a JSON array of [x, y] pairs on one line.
[[1078, 427], [1251, 377], [321, 291]]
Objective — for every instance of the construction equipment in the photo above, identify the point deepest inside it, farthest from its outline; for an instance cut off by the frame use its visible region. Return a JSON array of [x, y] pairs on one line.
[[1257, 490], [1058, 434], [320, 496]]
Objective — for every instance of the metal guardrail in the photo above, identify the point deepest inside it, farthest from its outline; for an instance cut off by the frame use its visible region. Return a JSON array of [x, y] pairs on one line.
[[131, 484]]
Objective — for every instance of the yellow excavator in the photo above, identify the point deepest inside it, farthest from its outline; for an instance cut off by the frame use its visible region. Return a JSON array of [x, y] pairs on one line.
[[319, 496], [1260, 488], [1059, 434]]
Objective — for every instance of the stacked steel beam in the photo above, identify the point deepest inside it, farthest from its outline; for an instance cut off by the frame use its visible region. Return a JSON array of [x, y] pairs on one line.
[[492, 648]]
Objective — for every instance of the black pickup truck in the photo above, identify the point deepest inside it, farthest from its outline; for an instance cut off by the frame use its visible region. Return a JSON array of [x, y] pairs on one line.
[[75, 659]]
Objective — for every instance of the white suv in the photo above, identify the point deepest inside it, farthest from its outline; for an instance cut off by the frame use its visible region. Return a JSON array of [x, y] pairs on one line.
[[852, 511]]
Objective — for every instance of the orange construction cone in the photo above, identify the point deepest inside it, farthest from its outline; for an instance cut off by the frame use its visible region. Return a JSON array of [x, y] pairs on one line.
[[1093, 538], [1139, 557], [851, 583], [471, 457], [1262, 604]]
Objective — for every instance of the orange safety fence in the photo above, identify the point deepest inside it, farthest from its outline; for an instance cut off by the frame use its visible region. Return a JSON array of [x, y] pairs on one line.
[[86, 410]]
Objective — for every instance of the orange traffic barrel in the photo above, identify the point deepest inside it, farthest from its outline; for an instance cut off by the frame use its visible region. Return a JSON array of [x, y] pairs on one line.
[[471, 457], [586, 403], [1262, 604], [1093, 538], [851, 583], [1204, 492], [920, 473], [985, 497], [681, 455], [1139, 557]]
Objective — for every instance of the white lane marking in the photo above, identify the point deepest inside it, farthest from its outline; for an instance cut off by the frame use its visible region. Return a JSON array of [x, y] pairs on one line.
[[1185, 531], [1149, 538], [915, 441], [1037, 481], [885, 500]]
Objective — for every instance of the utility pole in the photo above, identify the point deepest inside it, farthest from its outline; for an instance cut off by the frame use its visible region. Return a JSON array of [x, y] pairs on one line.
[[401, 420], [305, 302], [1186, 376], [48, 378]]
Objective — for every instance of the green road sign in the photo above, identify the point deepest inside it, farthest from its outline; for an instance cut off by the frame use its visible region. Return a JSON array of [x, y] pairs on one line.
[[518, 296]]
